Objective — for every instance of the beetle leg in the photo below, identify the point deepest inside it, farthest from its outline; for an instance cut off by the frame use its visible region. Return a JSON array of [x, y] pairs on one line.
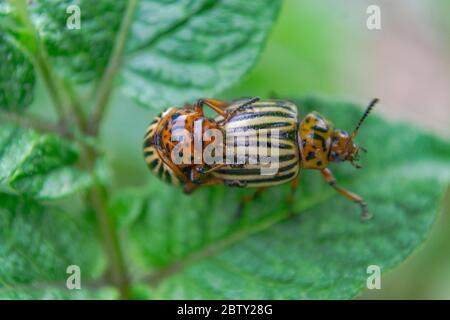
[[242, 107], [195, 181], [216, 105], [216, 167], [246, 200], [329, 178], [290, 198], [198, 171], [211, 182], [236, 183], [189, 187], [195, 174]]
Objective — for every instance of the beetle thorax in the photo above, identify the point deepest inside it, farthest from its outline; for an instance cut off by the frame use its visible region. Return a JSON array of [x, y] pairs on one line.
[[314, 138]]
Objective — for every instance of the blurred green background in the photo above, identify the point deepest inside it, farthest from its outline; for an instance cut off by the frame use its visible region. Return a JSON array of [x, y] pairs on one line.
[[322, 48]]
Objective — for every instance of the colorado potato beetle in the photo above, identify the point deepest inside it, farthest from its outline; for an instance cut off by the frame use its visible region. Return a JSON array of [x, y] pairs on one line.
[[250, 143]]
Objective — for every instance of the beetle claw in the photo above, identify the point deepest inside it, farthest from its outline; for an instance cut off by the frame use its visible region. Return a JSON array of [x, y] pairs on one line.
[[356, 165], [365, 214]]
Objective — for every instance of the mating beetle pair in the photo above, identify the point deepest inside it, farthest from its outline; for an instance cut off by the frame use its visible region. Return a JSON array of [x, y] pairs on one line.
[[249, 129]]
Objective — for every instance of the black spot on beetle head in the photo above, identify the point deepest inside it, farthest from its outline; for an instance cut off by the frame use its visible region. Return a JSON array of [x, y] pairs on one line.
[[311, 155]]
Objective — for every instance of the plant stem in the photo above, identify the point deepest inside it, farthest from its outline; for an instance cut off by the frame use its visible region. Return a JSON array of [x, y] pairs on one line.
[[52, 88], [114, 63], [38, 54], [98, 194], [75, 106], [99, 201]]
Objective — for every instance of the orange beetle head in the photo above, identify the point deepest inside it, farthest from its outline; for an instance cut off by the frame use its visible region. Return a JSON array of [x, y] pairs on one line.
[[342, 146], [344, 149]]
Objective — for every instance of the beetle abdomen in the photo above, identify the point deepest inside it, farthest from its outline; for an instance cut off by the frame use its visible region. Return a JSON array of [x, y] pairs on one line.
[[264, 128], [152, 155]]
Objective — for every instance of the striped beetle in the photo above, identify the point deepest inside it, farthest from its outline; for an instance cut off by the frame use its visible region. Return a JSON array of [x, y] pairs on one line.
[[308, 143]]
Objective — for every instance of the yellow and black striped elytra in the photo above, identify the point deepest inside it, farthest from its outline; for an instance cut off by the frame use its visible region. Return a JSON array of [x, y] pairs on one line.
[[262, 117], [252, 131]]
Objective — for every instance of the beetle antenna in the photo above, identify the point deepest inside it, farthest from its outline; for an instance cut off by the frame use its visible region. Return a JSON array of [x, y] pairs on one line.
[[364, 116]]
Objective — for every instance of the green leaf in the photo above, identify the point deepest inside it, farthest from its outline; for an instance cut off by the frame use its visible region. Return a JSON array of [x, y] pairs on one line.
[[194, 247], [177, 50], [17, 78], [82, 54], [182, 50], [37, 165], [37, 244]]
